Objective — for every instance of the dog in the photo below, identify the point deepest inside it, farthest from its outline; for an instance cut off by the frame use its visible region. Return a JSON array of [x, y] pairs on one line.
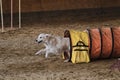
[[53, 45]]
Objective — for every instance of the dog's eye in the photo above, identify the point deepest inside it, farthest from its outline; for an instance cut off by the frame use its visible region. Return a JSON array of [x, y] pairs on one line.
[[40, 37]]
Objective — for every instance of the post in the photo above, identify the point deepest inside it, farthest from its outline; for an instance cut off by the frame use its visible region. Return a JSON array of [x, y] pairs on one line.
[[2, 22], [19, 13], [11, 14]]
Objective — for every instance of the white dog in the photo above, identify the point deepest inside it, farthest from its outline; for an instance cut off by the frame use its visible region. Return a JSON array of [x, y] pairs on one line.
[[53, 44]]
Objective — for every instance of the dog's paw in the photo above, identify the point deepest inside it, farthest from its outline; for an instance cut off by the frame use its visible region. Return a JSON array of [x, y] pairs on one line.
[[67, 60], [36, 53]]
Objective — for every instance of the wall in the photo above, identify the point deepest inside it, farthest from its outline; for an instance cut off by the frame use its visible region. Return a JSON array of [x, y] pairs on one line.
[[51, 5]]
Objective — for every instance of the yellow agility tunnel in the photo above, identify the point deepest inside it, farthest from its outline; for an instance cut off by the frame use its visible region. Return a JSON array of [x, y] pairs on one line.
[[93, 44]]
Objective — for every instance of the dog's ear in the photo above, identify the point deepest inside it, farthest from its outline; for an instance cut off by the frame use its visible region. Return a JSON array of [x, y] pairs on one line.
[[48, 35]]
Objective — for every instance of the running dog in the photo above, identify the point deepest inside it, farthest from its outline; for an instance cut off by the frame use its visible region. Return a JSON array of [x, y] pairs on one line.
[[53, 44]]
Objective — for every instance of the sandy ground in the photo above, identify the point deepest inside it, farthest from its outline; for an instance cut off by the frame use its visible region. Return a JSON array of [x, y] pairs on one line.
[[19, 62]]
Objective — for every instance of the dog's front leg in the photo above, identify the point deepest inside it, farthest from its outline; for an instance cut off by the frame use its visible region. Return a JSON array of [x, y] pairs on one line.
[[40, 51], [46, 54]]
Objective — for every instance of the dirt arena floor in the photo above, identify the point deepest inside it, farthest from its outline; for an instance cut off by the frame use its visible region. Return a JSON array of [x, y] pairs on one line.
[[19, 62]]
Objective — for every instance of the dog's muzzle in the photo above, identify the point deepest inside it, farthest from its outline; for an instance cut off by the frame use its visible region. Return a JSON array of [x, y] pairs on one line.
[[38, 41]]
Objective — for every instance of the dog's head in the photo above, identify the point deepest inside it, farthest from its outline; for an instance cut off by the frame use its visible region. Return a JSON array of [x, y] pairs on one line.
[[43, 38]]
